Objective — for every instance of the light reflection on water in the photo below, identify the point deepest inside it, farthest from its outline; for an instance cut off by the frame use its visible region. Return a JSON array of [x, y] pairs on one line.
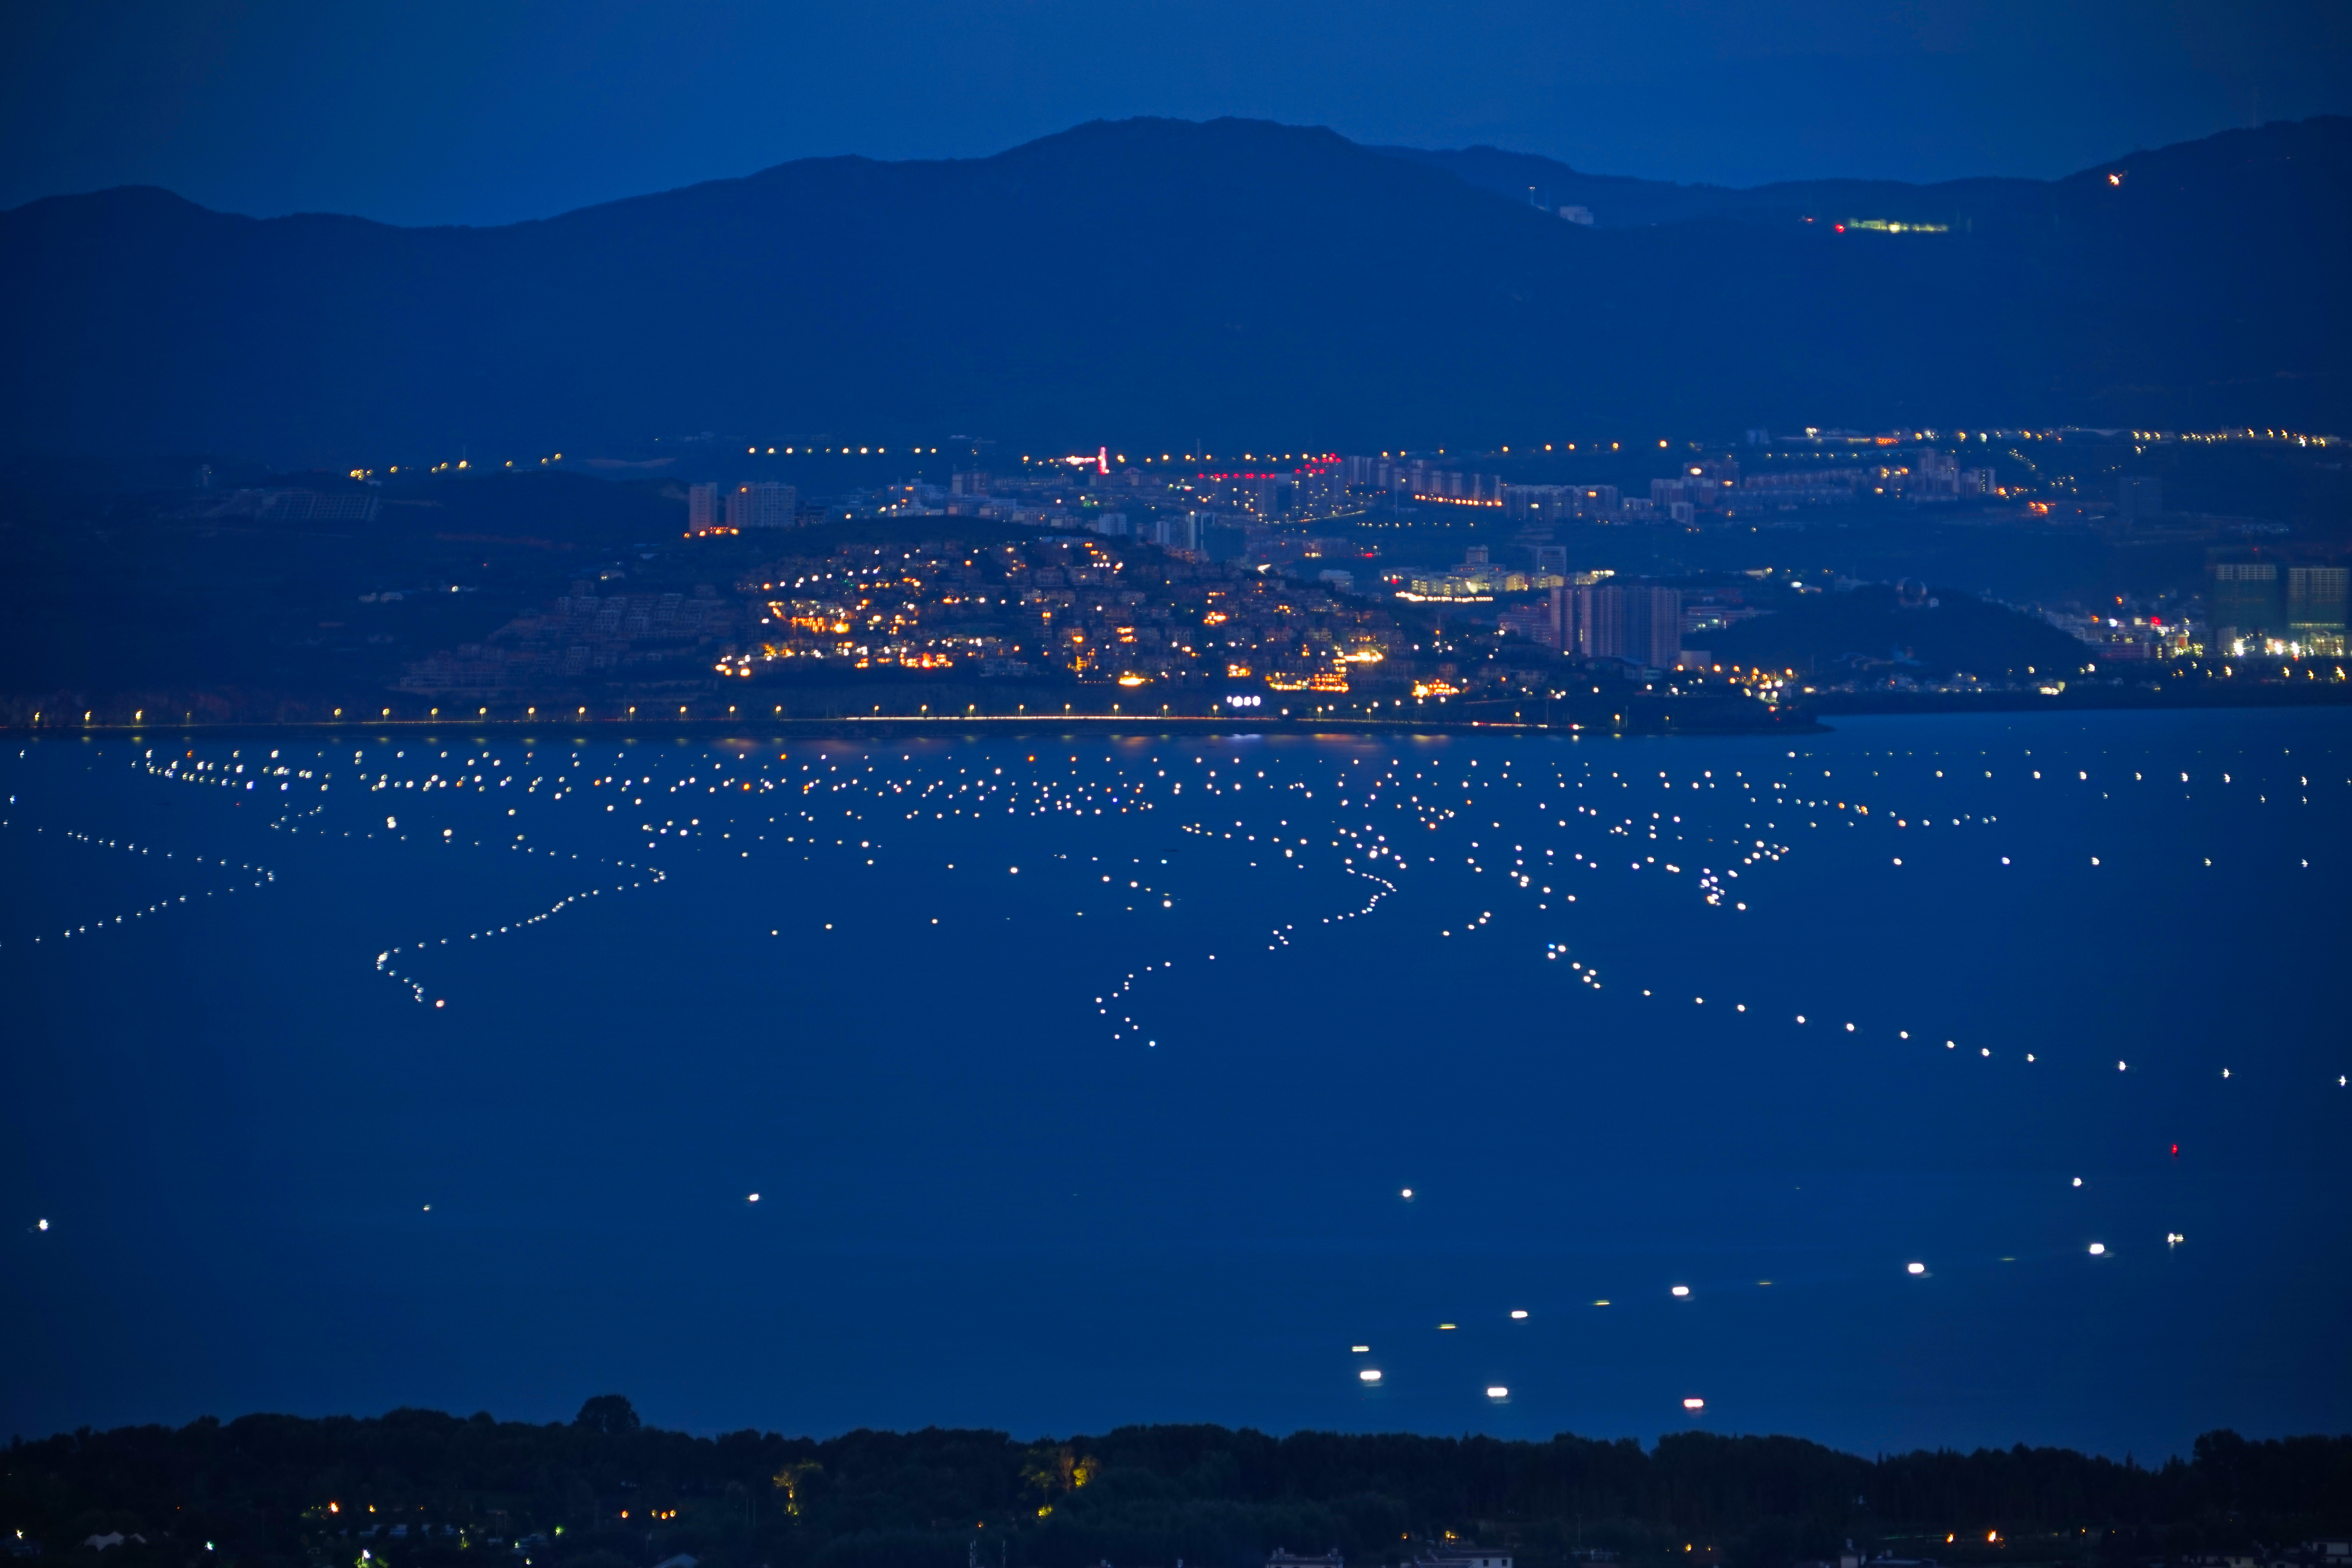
[[1090, 1081]]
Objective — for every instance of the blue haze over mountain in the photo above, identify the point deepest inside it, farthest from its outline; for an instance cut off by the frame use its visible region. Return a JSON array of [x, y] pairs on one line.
[[1153, 282]]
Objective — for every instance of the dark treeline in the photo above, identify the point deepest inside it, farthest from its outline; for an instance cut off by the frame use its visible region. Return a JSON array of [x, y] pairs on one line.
[[606, 1491]]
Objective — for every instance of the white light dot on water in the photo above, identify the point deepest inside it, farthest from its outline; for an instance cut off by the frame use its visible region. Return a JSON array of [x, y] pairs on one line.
[[1800, 1017], [2078, 1181], [1360, 1350], [1369, 1374], [1518, 1312], [1406, 1194], [2098, 1249], [2119, 1067], [754, 1198], [44, 1224], [1915, 1269], [1496, 1391], [1694, 1403], [1682, 1290]]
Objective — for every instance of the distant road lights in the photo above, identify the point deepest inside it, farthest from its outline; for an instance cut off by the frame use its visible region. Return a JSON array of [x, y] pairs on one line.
[[1496, 1391], [2098, 1249], [1369, 1374], [1915, 1269], [1406, 1194], [1518, 1312], [1682, 1290], [1693, 1404]]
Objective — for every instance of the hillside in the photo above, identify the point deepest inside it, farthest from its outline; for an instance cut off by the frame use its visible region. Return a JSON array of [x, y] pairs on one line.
[[1834, 635], [417, 1488], [1158, 281]]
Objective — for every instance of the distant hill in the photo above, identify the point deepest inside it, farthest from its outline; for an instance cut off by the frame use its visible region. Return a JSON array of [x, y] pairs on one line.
[[1618, 201], [1835, 634], [1154, 281]]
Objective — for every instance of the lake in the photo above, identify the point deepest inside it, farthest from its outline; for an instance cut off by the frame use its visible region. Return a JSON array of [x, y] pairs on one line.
[[1975, 1080]]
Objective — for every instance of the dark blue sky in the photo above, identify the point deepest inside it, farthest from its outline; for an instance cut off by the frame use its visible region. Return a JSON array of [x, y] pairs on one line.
[[497, 109]]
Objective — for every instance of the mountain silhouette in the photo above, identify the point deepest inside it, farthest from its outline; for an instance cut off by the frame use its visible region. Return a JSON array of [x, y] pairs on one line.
[[1153, 281]]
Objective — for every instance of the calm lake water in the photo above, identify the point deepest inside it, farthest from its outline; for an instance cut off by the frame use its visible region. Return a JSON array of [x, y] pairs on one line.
[[1082, 1082]]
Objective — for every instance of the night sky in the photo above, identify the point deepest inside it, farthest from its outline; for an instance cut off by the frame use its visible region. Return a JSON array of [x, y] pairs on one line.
[[490, 113]]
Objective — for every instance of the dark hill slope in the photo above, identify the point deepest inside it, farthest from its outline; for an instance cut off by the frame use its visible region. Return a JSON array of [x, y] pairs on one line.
[[1149, 281]]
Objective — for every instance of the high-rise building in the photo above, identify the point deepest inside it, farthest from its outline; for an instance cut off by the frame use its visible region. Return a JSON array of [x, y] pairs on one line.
[[1641, 625], [1172, 532], [1594, 624], [701, 508], [762, 504], [1654, 626], [2138, 500], [2242, 596], [1935, 474], [2316, 599]]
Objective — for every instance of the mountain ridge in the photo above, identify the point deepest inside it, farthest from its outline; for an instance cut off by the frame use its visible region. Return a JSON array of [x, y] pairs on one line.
[[1153, 280]]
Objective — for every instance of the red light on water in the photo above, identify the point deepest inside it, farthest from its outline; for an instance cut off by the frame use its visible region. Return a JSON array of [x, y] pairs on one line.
[[2175, 1150]]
